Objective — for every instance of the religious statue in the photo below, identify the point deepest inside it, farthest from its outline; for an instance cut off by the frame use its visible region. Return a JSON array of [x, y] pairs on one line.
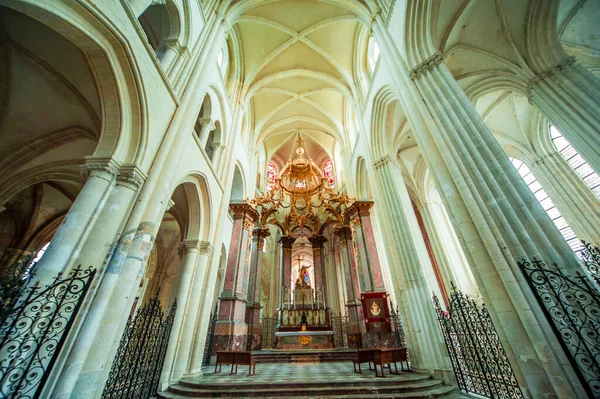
[[303, 279]]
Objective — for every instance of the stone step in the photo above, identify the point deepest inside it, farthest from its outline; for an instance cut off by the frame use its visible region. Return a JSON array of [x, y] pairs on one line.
[[421, 389]]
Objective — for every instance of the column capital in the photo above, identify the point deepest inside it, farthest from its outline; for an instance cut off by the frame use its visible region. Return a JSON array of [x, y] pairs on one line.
[[130, 176], [205, 248], [358, 209], [548, 73], [259, 235], [343, 231], [426, 66], [383, 161], [242, 210], [207, 123], [287, 241], [105, 168], [317, 241]]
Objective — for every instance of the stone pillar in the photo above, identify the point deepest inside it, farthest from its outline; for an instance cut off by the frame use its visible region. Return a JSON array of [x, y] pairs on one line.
[[195, 328], [569, 95], [360, 218], [79, 220], [319, 264], [89, 355], [206, 126], [286, 269], [180, 340], [498, 220], [356, 324], [254, 287], [573, 198], [231, 330]]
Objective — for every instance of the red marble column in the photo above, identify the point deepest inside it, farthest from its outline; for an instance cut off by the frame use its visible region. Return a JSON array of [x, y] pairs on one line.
[[254, 286], [319, 263], [286, 269], [231, 329], [355, 313], [359, 215]]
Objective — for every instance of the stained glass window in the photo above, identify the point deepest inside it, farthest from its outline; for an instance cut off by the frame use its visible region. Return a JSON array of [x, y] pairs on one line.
[[543, 198], [271, 176], [582, 168], [328, 173]]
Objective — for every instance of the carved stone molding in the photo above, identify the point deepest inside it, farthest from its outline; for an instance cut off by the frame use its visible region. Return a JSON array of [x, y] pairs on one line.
[[170, 204], [104, 168], [428, 65], [540, 77], [383, 161], [205, 248], [130, 176], [207, 123]]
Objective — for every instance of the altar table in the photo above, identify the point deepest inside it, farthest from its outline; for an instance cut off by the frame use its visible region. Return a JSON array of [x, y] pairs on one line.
[[304, 339]]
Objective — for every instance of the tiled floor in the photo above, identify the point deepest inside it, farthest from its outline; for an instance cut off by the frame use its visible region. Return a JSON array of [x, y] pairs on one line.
[[297, 372]]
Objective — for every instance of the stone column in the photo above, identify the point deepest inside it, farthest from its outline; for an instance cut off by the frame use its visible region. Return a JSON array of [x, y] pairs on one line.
[[206, 126], [423, 332], [231, 330], [319, 264], [286, 269], [359, 214], [88, 355], [356, 324], [254, 287], [498, 220], [573, 198], [197, 329], [183, 325], [79, 220], [569, 95]]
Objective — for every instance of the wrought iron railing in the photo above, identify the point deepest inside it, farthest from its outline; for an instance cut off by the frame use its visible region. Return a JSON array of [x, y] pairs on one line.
[[477, 355], [268, 334], [591, 260], [210, 338], [572, 306], [339, 325], [136, 369], [13, 282], [399, 330], [33, 332]]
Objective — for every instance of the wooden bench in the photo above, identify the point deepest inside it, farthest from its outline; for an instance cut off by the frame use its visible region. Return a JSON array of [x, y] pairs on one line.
[[363, 356], [235, 358], [381, 358]]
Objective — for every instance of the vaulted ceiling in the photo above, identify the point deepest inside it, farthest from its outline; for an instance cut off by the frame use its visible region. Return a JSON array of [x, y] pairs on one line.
[[298, 61]]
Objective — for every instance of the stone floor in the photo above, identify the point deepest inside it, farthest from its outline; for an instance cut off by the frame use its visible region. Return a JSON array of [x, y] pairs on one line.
[[309, 380]]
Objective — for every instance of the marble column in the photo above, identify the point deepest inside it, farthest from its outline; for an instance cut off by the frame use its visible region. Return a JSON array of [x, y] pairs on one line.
[[498, 220], [356, 323], [569, 95], [285, 272], [319, 264], [253, 306], [360, 218], [77, 224], [231, 330], [573, 198]]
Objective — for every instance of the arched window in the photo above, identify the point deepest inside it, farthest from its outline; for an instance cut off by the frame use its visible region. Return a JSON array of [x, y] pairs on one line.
[[585, 171], [372, 53], [271, 176], [328, 173], [537, 190]]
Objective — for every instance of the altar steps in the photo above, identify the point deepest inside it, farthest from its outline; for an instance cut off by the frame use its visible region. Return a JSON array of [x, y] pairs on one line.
[[407, 385]]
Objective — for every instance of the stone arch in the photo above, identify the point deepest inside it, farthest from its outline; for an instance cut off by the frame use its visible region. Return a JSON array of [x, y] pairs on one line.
[[238, 185], [162, 26], [198, 209], [363, 188], [379, 119], [109, 57]]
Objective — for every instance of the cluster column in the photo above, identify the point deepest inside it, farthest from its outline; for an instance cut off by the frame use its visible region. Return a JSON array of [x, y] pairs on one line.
[[231, 329], [286, 269], [356, 324], [254, 288], [319, 266], [569, 95]]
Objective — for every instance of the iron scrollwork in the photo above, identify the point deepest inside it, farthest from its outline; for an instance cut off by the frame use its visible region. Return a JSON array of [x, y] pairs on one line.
[[136, 370], [399, 331], [477, 355], [34, 331], [572, 306], [210, 338]]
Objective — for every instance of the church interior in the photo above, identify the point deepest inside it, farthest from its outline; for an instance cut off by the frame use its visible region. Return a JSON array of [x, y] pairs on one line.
[[299, 198]]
